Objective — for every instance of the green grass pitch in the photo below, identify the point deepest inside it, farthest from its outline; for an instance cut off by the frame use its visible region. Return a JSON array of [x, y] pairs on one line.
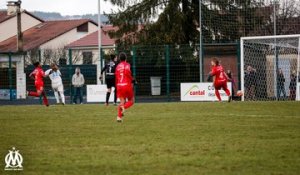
[[155, 138]]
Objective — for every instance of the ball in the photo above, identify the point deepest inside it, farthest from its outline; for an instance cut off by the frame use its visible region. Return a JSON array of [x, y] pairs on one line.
[[239, 93]]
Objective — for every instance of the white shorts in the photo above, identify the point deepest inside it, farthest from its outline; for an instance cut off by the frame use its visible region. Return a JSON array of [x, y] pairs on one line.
[[58, 87]]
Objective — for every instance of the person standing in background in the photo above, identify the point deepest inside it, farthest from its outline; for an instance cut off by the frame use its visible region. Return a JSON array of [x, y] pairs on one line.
[[280, 84], [293, 85], [250, 83], [77, 82]]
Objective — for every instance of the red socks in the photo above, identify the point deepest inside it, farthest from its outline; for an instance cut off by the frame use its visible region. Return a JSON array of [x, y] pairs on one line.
[[35, 94], [119, 111], [128, 104], [227, 92], [218, 94], [45, 100]]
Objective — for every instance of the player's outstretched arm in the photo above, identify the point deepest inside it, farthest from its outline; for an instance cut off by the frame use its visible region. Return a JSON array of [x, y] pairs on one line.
[[209, 77], [229, 79], [31, 75], [48, 72]]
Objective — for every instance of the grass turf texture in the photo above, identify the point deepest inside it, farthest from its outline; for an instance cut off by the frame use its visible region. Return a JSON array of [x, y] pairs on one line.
[[160, 138]]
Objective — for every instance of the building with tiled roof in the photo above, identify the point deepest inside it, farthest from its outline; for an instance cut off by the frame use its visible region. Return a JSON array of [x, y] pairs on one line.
[[8, 23], [50, 35], [38, 35], [87, 46], [91, 40]]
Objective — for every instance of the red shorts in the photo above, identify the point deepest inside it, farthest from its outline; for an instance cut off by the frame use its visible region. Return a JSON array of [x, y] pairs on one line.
[[39, 86], [220, 84], [125, 92]]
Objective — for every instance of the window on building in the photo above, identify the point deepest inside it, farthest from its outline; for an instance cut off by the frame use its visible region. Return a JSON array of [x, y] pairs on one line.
[[83, 28], [87, 57], [62, 61]]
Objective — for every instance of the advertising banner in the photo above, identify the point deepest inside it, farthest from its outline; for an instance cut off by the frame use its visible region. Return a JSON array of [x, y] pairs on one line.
[[201, 92], [97, 93]]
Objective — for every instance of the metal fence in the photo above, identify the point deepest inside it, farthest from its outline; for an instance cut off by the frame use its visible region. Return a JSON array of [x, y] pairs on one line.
[[158, 69]]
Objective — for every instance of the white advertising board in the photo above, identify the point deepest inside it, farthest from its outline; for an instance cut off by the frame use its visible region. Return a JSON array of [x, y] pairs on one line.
[[97, 93], [201, 92]]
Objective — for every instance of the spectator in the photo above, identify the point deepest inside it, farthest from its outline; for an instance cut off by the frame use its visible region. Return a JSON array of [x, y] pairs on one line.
[[231, 79], [250, 83], [293, 84], [280, 84], [77, 82]]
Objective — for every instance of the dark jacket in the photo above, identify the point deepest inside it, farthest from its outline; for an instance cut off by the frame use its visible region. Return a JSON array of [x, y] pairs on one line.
[[280, 79], [293, 82]]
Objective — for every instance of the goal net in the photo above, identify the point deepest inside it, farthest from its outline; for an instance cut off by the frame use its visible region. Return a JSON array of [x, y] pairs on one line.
[[270, 67]]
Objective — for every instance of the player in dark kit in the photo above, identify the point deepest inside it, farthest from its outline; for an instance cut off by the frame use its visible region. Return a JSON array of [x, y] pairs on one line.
[[110, 80], [38, 75], [220, 79]]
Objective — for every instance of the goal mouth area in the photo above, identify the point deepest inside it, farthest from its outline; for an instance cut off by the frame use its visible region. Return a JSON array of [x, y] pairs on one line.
[[270, 67]]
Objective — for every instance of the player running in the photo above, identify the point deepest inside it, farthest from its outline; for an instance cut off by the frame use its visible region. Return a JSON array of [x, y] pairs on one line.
[[124, 85], [38, 75], [110, 80], [56, 83], [220, 79]]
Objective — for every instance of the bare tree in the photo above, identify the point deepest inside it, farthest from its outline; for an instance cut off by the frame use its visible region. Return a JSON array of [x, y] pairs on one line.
[[32, 56], [53, 55], [76, 56], [287, 18], [288, 21]]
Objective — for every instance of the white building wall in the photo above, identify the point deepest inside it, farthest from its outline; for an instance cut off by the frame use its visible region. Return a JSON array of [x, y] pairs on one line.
[[8, 28], [67, 38], [92, 27], [61, 41]]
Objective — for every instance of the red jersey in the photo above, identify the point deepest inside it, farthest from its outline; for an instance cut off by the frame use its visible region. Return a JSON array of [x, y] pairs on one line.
[[219, 73], [38, 75], [123, 74]]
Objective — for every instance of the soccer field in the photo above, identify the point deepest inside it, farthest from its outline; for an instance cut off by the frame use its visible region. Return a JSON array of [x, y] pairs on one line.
[[154, 138]]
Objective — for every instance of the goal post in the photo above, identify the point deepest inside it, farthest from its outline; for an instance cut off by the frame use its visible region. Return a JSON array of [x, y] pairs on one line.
[[270, 67]]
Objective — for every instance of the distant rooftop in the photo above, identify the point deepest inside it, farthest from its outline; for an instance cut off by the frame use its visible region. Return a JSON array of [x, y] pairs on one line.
[[91, 40], [41, 33]]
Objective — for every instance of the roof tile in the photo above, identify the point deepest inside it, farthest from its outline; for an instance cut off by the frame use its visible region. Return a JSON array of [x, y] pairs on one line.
[[40, 34]]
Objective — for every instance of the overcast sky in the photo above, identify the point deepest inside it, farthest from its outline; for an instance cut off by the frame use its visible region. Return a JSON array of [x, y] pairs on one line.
[[65, 7]]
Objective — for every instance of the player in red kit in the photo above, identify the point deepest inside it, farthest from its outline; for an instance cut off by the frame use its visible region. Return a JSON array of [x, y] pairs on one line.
[[124, 86], [220, 79], [38, 75]]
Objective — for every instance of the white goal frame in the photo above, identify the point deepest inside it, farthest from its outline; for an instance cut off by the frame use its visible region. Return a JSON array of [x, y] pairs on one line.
[[268, 37]]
